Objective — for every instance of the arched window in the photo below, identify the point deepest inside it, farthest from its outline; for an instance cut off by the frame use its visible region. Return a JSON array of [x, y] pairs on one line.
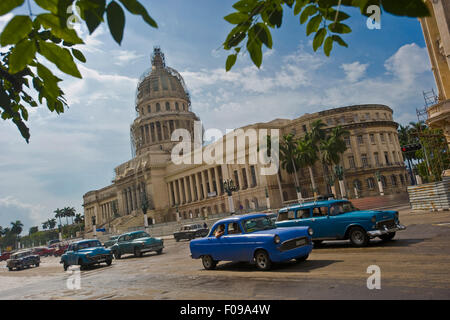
[[177, 107], [358, 185], [393, 180], [158, 107], [167, 106], [370, 183], [149, 109]]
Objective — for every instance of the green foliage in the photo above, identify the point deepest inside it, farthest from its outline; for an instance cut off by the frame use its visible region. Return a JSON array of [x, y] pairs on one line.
[[315, 13], [49, 35]]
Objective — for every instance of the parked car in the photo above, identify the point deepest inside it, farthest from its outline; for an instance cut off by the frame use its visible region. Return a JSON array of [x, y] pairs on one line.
[[252, 238], [51, 242], [339, 219], [86, 253], [43, 251], [59, 249], [111, 241], [23, 259], [190, 231], [137, 243], [5, 255], [273, 216]]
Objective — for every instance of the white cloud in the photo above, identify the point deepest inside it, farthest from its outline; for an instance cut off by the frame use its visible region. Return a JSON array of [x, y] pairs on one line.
[[408, 62], [354, 71], [123, 57]]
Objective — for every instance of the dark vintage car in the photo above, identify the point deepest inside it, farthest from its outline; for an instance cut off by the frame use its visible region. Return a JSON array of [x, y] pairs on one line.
[[191, 231], [23, 259]]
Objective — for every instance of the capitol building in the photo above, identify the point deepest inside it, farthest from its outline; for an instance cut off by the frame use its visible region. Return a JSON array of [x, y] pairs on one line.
[[182, 191]]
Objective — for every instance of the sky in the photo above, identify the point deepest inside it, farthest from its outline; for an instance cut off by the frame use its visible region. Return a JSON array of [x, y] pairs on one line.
[[76, 152]]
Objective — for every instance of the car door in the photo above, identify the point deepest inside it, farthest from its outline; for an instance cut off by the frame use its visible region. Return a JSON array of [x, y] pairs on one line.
[[71, 255], [235, 247], [321, 222], [338, 220], [215, 246]]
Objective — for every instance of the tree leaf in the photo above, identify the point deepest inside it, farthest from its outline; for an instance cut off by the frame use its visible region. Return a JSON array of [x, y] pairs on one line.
[[61, 57], [17, 29], [308, 11], [49, 5], [263, 34], [237, 18], [78, 54], [339, 40], [299, 4], [409, 8], [116, 21], [245, 6], [318, 38], [231, 60], [136, 8], [94, 16], [21, 55], [50, 21], [8, 5], [327, 46], [313, 24], [254, 47], [339, 28]]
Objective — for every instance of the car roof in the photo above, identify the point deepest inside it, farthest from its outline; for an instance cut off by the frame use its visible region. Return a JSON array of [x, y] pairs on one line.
[[84, 240], [311, 204], [237, 218], [133, 232]]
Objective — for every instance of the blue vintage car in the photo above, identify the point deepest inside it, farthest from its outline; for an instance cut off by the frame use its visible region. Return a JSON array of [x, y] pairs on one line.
[[252, 238], [339, 220], [137, 243], [86, 253]]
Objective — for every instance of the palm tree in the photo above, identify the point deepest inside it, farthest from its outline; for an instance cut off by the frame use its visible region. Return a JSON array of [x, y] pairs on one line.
[[289, 159], [51, 223], [78, 218], [45, 225], [69, 212], [16, 228], [307, 155], [58, 214], [404, 137]]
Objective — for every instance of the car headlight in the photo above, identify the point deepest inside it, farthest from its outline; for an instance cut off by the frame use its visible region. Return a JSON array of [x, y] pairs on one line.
[[374, 219], [276, 239], [310, 231]]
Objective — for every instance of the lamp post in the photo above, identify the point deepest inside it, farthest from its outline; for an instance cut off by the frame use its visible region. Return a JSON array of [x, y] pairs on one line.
[[229, 187], [267, 198], [94, 227]]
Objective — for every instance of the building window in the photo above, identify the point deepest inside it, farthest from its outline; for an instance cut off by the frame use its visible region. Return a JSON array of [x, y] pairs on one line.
[[394, 156], [158, 107], [355, 118], [364, 160], [390, 138], [367, 116], [360, 139], [372, 138], [351, 161], [304, 128], [177, 107], [382, 137], [236, 179], [358, 185], [386, 158], [377, 116], [383, 181], [347, 142], [377, 159], [149, 109], [244, 178], [253, 173], [167, 106], [393, 180], [370, 183]]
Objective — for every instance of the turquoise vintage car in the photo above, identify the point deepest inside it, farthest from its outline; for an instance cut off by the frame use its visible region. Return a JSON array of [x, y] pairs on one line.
[[86, 253], [339, 220], [136, 243]]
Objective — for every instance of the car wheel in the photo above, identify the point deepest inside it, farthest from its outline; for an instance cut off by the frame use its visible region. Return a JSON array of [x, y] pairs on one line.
[[302, 258], [358, 237], [387, 237], [117, 255], [10, 269], [159, 251], [108, 261], [208, 262], [37, 264], [262, 260], [81, 264], [137, 252], [176, 239]]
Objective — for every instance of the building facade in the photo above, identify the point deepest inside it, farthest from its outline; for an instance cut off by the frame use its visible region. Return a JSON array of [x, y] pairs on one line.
[[436, 31], [182, 191]]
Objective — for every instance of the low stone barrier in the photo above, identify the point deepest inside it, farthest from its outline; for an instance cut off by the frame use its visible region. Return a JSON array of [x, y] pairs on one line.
[[433, 196]]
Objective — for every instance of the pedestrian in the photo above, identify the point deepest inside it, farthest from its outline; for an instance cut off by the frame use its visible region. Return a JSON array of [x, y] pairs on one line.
[[205, 225]]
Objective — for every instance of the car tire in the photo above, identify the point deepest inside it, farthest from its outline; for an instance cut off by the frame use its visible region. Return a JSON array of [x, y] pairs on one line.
[[388, 237], [358, 237], [262, 260], [137, 252], [81, 264], [208, 262], [108, 261], [176, 239], [117, 255], [37, 264], [302, 258], [10, 269], [159, 251]]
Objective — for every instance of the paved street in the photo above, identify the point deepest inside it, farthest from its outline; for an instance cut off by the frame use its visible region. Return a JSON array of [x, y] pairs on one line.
[[416, 265]]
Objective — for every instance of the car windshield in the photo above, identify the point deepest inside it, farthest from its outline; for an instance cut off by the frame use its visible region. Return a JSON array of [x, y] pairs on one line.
[[89, 244], [141, 235], [342, 207], [258, 224]]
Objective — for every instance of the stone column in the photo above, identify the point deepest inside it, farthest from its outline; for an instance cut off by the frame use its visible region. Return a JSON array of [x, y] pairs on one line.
[[191, 185], [210, 180], [218, 182], [205, 190], [186, 191], [197, 185], [175, 192]]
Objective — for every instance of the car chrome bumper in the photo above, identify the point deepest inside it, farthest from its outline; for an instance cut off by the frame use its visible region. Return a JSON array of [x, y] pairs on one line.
[[377, 233]]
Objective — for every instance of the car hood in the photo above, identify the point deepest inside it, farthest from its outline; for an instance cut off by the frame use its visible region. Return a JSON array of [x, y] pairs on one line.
[[94, 251], [146, 239]]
